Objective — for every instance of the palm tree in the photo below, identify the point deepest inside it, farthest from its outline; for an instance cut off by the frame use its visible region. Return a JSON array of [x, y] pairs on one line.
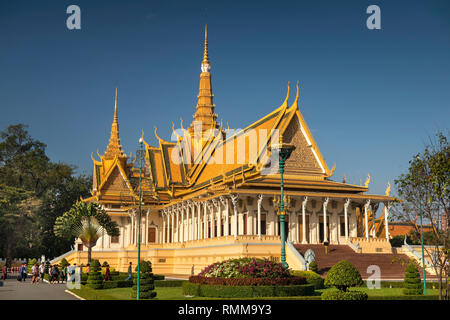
[[85, 221]]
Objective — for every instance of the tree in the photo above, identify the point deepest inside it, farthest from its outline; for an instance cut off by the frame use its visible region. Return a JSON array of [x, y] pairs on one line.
[[95, 280], [14, 218], [45, 189], [146, 282], [85, 221], [58, 199], [343, 275], [412, 285], [425, 191]]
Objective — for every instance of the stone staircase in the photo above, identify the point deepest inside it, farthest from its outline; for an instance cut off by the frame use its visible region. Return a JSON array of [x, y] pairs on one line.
[[336, 253]]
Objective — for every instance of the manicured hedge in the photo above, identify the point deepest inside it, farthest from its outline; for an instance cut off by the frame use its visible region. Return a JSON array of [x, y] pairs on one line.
[[412, 283], [146, 282], [311, 278], [218, 291], [341, 295], [95, 278], [343, 275], [169, 283], [117, 284], [292, 280], [400, 284]]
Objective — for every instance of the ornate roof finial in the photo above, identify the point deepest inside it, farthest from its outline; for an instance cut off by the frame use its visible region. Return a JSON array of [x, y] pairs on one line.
[[205, 52], [366, 184], [285, 103], [114, 148], [205, 106], [295, 104], [388, 189], [116, 119], [332, 169]]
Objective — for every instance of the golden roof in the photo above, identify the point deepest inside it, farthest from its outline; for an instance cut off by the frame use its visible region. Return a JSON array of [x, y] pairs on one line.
[[172, 170]]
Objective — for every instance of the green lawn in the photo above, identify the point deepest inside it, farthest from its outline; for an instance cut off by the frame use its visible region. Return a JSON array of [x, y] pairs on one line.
[[174, 293]]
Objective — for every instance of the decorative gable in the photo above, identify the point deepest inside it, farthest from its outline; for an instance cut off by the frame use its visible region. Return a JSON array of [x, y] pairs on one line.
[[115, 183], [303, 159]]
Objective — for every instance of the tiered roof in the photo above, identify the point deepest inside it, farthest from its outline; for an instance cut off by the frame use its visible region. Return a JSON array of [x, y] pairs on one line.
[[173, 172]]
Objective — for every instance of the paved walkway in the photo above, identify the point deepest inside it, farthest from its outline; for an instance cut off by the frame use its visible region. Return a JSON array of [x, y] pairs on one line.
[[15, 290]]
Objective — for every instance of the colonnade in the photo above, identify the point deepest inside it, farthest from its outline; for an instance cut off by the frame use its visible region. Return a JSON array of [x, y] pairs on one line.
[[197, 220]]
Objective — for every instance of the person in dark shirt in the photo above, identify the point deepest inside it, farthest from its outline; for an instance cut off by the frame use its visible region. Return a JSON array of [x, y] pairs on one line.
[[129, 272]]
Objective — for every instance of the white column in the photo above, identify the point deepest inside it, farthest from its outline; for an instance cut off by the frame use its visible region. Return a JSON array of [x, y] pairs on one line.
[[188, 224], [164, 230], [205, 221], [191, 206], [173, 229], [366, 219], [211, 210], [258, 223], [373, 223], [304, 202], [133, 228], [168, 226], [346, 204], [227, 217], [219, 220], [146, 226], [177, 223], [386, 216], [199, 225], [325, 233], [182, 223], [234, 198]]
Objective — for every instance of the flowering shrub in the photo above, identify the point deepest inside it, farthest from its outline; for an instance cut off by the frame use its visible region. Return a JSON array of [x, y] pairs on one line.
[[248, 281], [245, 268]]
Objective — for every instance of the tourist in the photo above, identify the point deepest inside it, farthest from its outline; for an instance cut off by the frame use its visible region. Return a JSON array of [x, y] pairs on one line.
[[42, 271], [34, 274], [63, 274], [49, 270], [129, 272], [4, 272], [23, 272], [107, 274], [55, 273]]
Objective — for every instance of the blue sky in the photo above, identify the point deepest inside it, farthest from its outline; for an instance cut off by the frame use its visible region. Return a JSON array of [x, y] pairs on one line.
[[370, 97]]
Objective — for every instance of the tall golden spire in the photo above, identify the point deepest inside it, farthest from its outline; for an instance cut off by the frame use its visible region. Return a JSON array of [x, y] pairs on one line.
[[114, 147], [205, 106], [205, 52]]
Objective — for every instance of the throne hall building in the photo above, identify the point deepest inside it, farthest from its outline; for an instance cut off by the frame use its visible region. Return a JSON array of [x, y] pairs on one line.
[[197, 212]]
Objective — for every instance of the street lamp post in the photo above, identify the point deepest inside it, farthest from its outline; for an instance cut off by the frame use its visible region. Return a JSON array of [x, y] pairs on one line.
[[141, 156], [423, 254], [285, 151]]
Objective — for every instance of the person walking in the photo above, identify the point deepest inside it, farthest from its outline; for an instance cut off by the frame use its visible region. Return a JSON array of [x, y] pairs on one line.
[[49, 270], [55, 274], [129, 272], [23, 272], [4, 272], [107, 273], [42, 271], [33, 274]]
